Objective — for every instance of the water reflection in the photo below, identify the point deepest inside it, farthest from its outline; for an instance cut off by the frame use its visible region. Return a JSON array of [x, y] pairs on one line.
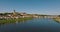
[[57, 21], [16, 22], [36, 24], [20, 21]]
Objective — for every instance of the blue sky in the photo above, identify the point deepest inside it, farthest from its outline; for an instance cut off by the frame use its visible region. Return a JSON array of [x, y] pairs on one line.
[[51, 7]]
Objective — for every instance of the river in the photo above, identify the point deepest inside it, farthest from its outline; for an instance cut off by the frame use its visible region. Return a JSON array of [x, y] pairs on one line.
[[34, 25]]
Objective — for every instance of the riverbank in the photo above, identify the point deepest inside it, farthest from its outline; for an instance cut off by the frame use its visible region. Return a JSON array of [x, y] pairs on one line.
[[57, 19], [2, 21]]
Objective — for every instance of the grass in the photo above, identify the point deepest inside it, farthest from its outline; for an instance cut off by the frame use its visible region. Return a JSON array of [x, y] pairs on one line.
[[13, 20]]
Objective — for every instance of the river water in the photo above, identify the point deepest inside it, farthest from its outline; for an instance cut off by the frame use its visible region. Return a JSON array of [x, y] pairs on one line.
[[34, 25]]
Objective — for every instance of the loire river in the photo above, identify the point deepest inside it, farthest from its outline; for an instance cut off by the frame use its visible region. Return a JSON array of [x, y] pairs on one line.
[[37, 24]]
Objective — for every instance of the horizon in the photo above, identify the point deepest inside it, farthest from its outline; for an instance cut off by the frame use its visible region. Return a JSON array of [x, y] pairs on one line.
[[46, 7]]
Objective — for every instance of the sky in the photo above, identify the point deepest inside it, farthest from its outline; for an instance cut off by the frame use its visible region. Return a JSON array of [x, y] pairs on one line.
[[48, 7]]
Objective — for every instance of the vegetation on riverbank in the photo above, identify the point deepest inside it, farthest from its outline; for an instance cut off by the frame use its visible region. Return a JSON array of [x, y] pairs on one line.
[[57, 19], [13, 20]]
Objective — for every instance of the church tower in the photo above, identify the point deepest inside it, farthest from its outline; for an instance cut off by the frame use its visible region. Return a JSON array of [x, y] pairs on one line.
[[14, 12]]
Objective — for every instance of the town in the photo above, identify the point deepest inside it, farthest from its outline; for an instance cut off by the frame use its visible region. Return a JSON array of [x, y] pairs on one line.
[[16, 15]]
